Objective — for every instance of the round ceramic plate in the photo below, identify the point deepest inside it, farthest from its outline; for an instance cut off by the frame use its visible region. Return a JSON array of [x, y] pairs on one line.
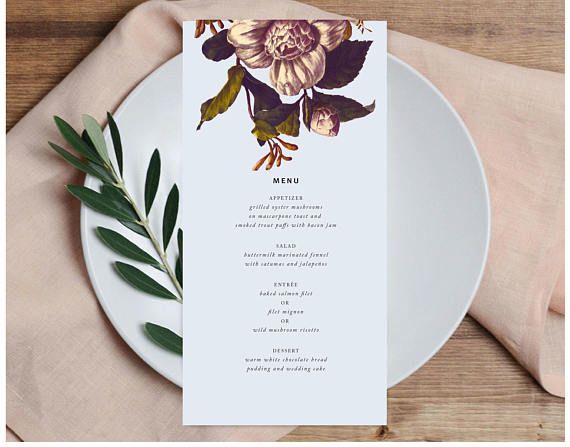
[[438, 218]]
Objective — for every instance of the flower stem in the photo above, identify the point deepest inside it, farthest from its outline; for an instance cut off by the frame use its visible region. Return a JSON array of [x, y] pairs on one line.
[[143, 220], [249, 104]]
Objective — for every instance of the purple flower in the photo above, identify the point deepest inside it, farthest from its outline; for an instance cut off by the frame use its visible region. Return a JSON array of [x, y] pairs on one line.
[[294, 49]]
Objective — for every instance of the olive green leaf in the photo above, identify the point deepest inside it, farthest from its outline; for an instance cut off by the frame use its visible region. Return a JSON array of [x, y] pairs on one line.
[[151, 182], [291, 125], [347, 108], [96, 135], [217, 47], [98, 202], [164, 337], [79, 164], [307, 112], [142, 281], [170, 216], [225, 98], [263, 130], [117, 145], [75, 140], [281, 119], [277, 115], [344, 63], [123, 246]]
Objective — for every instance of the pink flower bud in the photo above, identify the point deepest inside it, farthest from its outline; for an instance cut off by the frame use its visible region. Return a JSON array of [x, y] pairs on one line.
[[325, 121]]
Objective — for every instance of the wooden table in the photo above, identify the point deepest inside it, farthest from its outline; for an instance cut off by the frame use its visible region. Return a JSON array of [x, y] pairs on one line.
[[472, 389]]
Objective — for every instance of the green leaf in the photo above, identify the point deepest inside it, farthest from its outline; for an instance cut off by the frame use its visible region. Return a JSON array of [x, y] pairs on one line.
[[152, 179], [123, 246], [348, 109], [178, 270], [85, 137], [77, 163], [277, 115], [170, 216], [291, 125], [263, 130], [307, 112], [217, 48], [75, 140], [116, 197], [344, 63], [164, 337], [98, 202], [283, 118], [264, 96], [102, 172], [136, 227], [142, 281], [117, 145], [178, 267], [225, 98], [96, 135]]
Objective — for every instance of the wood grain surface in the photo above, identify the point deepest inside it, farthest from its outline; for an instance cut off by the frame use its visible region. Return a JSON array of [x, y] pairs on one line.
[[472, 389]]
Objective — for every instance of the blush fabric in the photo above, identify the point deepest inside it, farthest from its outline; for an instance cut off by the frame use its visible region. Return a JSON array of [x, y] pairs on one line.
[[70, 377]]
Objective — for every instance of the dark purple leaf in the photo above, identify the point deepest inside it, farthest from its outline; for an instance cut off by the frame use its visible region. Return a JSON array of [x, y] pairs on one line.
[[344, 63], [347, 108], [217, 48], [264, 96]]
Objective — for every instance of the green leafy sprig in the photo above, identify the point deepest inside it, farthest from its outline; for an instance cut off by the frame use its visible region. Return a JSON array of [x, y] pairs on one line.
[[114, 200]]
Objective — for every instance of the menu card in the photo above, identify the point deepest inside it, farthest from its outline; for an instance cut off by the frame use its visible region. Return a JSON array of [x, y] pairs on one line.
[[284, 215]]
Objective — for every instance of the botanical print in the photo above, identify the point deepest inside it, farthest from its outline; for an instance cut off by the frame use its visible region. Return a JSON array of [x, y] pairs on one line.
[[303, 57]]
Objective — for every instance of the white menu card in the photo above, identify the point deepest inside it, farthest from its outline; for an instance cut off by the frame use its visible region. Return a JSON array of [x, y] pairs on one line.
[[284, 215]]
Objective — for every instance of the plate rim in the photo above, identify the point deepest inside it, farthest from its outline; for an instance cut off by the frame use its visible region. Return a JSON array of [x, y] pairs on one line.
[[88, 258], [483, 175]]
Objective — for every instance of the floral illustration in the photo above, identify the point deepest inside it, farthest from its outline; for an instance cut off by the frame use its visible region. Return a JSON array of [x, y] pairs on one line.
[[303, 57], [295, 50]]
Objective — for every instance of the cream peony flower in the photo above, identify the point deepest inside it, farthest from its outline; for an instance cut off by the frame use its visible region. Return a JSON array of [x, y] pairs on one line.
[[325, 121], [294, 49]]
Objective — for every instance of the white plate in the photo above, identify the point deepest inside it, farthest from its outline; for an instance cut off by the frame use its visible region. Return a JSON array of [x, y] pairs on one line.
[[439, 218]]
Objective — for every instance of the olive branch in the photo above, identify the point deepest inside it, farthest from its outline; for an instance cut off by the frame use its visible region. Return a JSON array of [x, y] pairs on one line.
[[114, 200]]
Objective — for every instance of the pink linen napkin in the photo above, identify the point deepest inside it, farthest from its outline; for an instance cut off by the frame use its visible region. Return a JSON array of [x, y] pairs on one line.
[[69, 375]]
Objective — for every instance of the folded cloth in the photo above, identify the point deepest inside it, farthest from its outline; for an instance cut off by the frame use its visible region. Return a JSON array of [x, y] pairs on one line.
[[70, 377], [516, 117]]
